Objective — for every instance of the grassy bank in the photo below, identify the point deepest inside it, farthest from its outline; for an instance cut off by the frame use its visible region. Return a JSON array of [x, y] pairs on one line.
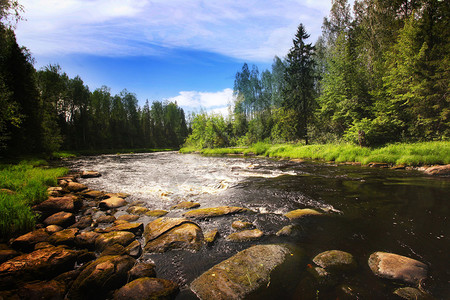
[[70, 154], [23, 185], [413, 154]]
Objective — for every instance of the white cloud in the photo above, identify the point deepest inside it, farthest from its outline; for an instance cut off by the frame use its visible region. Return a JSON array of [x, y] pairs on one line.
[[250, 30], [205, 100]]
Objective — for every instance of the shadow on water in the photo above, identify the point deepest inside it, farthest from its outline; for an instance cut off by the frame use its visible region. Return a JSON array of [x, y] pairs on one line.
[[366, 210]]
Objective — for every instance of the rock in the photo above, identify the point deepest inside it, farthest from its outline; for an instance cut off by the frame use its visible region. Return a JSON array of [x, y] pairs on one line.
[[335, 261], [57, 204], [63, 237], [50, 229], [6, 254], [55, 191], [300, 213], [438, 170], [288, 230], [120, 195], [40, 264], [165, 234], [147, 288], [142, 270], [101, 276], [110, 203], [106, 219], [378, 165], [116, 237], [94, 194], [239, 225], [128, 218], [118, 222], [27, 241], [136, 228], [397, 267], [156, 213], [211, 236], [410, 293], [43, 245], [42, 290], [241, 274], [245, 235], [186, 205], [75, 187], [90, 174], [137, 210], [86, 240], [398, 167], [83, 222], [210, 212], [114, 249], [134, 249], [63, 219]]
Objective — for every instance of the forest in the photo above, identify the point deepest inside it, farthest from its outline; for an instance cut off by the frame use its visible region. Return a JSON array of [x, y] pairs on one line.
[[378, 74]]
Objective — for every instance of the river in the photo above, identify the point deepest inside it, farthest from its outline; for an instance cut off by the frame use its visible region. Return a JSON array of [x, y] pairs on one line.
[[366, 210]]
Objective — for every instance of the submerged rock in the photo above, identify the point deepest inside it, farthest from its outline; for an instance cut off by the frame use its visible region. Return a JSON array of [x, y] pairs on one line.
[[245, 235], [288, 230], [397, 267], [156, 213], [300, 213], [210, 212], [186, 205], [240, 225], [147, 288], [142, 270], [335, 260], [241, 274]]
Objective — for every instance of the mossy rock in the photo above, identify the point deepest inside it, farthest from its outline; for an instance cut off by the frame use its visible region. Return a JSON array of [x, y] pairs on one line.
[[240, 225], [186, 205], [300, 213], [335, 261], [156, 213], [137, 210], [123, 238], [211, 212], [245, 235], [147, 288]]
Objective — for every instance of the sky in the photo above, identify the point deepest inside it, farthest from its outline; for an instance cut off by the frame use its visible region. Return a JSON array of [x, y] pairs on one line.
[[176, 50]]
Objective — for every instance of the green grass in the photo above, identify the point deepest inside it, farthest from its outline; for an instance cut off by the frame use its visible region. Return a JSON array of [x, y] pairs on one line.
[[413, 154], [28, 181]]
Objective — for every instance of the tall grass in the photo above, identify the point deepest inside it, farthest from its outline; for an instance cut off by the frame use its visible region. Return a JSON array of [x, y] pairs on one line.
[[28, 182]]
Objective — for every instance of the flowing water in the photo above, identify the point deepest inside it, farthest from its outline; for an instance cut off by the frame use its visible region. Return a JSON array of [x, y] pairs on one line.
[[366, 210]]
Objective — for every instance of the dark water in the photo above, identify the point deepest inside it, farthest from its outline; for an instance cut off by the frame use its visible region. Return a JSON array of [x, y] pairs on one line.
[[367, 210]]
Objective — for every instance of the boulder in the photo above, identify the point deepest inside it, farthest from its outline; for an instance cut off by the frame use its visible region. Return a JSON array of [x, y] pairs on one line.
[[438, 170], [245, 235], [156, 213], [147, 288], [101, 276], [27, 241], [63, 219], [288, 230], [74, 187], [240, 225], [410, 293], [123, 238], [42, 290], [335, 260], [136, 228], [90, 174], [94, 194], [55, 191], [165, 234], [83, 222], [106, 219], [300, 213], [57, 204], [397, 267], [142, 270], [241, 274], [50, 229], [211, 212], [110, 203], [134, 249], [128, 218], [137, 210], [114, 249], [63, 237], [186, 205], [40, 264], [86, 239], [211, 236]]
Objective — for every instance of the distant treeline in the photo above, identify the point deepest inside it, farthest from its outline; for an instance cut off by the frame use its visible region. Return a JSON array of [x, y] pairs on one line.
[[45, 110], [379, 73]]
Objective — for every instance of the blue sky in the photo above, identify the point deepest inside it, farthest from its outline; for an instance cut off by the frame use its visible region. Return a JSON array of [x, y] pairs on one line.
[[184, 51]]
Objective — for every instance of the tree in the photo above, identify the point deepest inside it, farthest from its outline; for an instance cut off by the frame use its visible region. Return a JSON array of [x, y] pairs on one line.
[[299, 91]]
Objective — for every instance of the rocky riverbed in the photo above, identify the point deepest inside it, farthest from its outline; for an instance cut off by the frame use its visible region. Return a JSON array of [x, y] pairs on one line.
[[89, 245]]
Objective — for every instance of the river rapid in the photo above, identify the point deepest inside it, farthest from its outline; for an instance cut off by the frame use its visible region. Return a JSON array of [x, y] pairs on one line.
[[366, 210]]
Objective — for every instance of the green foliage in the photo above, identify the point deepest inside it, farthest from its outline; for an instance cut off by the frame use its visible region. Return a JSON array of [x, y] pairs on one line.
[[208, 131]]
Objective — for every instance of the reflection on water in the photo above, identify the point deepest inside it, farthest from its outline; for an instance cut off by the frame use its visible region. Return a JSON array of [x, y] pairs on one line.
[[367, 210]]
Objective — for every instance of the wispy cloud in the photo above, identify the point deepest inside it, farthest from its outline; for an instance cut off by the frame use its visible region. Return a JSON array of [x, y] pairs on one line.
[[251, 30], [210, 101]]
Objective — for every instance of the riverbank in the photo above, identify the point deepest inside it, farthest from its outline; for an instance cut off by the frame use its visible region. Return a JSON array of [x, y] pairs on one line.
[[407, 154], [71, 154]]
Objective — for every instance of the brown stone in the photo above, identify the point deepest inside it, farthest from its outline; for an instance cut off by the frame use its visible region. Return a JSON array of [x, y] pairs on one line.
[[156, 213], [83, 222], [137, 210], [113, 202], [64, 237], [128, 218], [57, 204], [86, 239], [335, 260], [130, 227], [211, 236], [106, 219], [75, 187], [142, 270], [90, 174], [53, 228], [300, 213], [186, 205], [245, 235], [63, 219], [134, 249], [116, 237], [438, 170], [94, 194], [240, 225], [6, 254], [211, 212], [147, 288], [27, 241], [42, 290]]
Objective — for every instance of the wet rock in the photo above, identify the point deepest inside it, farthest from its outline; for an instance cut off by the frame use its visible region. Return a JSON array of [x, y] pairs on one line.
[[27, 241], [110, 203], [42, 290], [42, 263], [245, 235], [50, 229], [6, 254], [55, 191], [90, 174], [288, 230], [115, 249], [378, 165], [94, 194], [147, 288], [63, 219], [211, 236], [128, 218], [136, 228], [116, 237], [57, 204], [86, 239], [156, 213], [83, 222], [43, 245], [134, 249], [118, 222], [300, 213], [64, 237], [101, 276], [106, 219], [75, 187], [397, 267], [241, 274], [137, 210], [165, 234], [438, 170], [240, 225], [210, 212], [186, 205], [411, 293], [120, 195], [142, 270], [335, 261]]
